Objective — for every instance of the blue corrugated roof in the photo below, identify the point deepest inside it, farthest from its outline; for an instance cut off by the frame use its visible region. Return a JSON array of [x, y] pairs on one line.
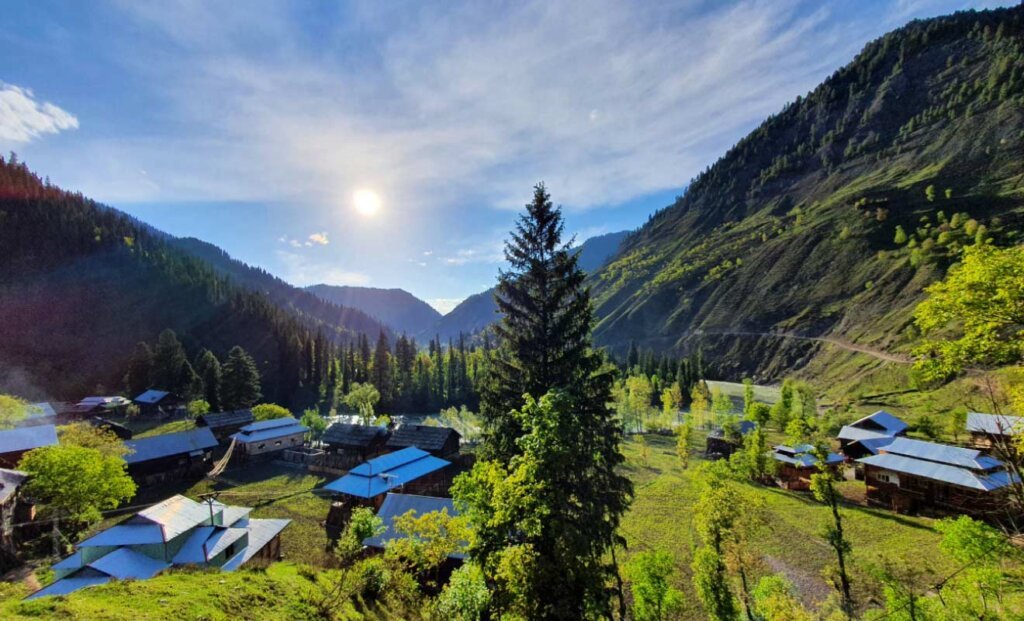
[[79, 580], [269, 434], [192, 550], [126, 535], [945, 473], [151, 396], [395, 505], [221, 539], [27, 438], [942, 453], [386, 472], [270, 424], [125, 563], [994, 424], [864, 429], [260, 533], [168, 444], [800, 455]]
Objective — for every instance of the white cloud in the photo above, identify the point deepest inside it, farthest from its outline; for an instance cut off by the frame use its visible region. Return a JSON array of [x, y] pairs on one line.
[[319, 238], [300, 270], [444, 305], [23, 118]]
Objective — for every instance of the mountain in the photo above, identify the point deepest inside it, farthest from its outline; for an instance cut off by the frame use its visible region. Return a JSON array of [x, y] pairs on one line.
[[81, 284], [479, 311], [397, 308], [831, 217], [335, 318]]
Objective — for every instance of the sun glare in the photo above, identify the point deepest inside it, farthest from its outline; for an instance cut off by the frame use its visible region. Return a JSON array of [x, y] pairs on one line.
[[367, 202]]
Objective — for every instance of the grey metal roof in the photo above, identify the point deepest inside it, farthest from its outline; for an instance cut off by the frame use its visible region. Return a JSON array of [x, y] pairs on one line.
[[248, 435], [231, 418], [178, 514], [994, 424], [801, 455], [348, 435], [962, 477], [881, 424], [126, 535], [43, 409], [168, 444], [151, 397], [27, 438], [260, 533], [396, 505], [124, 563], [426, 437], [942, 453]]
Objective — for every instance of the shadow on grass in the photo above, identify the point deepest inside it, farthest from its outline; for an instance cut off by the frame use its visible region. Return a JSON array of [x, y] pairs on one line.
[[807, 499]]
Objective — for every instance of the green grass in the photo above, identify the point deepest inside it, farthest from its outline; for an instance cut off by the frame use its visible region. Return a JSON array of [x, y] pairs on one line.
[[660, 519]]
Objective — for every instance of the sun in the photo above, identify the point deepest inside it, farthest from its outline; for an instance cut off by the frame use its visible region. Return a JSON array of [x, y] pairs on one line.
[[367, 202]]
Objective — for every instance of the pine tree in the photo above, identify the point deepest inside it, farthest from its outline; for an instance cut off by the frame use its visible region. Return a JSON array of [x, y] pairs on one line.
[[240, 381], [208, 368], [381, 371], [546, 350], [171, 369], [140, 370]]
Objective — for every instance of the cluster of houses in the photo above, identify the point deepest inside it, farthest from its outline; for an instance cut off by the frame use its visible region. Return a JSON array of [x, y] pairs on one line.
[[903, 474]]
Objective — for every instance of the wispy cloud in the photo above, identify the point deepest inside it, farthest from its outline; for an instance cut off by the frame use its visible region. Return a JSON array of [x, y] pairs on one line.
[[301, 270], [24, 118], [604, 100], [319, 238]]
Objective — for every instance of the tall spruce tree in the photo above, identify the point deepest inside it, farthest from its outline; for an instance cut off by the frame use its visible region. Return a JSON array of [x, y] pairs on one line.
[[546, 353], [171, 369], [140, 370], [240, 381], [208, 368]]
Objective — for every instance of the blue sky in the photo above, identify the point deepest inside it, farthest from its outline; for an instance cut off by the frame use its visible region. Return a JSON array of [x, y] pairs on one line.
[[252, 124]]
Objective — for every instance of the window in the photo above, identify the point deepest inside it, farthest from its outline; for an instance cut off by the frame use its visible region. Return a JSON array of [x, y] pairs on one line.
[[260, 446], [229, 551], [278, 443]]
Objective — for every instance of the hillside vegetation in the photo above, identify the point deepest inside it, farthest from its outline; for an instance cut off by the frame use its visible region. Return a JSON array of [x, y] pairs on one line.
[[831, 217]]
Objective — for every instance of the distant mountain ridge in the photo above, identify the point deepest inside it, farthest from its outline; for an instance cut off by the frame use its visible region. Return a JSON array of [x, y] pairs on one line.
[[833, 215], [479, 311], [397, 308]]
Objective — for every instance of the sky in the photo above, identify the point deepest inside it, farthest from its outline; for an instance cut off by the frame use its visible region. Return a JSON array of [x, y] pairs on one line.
[[390, 144]]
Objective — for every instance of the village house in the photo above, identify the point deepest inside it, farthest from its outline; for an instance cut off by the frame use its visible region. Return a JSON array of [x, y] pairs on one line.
[[440, 442], [174, 533], [266, 438], [869, 434], [720, 444], [225, 424], [170, 456], [16, 442], [914, 476], [357, 442], [11, 512], [157, 402], [993, 430], [797, 464], [101, 405]]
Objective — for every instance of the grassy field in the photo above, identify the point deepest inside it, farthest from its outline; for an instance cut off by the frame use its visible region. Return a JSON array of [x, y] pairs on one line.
[[792, 543]]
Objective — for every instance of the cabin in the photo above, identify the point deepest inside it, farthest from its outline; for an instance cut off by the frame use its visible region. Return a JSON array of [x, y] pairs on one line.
[[177, 532], [359, 442], [100, 405], [409, 470], [42, 413], [267, 438], [993, 430], [797, 463], [396, 505], [917, 476], [440, 442], [868, 435], [157, 402], [225, 424], [11, 513], [170, 456], [16, 442], [719, 446]]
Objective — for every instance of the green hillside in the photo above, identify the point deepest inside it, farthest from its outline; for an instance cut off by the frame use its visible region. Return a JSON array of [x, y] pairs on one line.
[[831, 217]]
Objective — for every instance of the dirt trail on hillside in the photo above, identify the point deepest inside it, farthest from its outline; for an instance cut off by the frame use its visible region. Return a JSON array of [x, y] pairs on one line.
[[847, 345]]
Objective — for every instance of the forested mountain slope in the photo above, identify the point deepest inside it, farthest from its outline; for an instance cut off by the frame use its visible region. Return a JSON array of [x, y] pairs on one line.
[[397, 308], [81, 284], [479, 310], [338, 320], [831, 217]]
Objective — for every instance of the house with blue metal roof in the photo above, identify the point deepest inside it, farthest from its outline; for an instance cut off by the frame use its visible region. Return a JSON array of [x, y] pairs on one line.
[[16, 442], [723, 441], [914, 475], [396, 505], [867, 435], [797, 463], [266, 437], [993, 430], [153, 401], [170, 456], [410, 469], [173, 533]]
